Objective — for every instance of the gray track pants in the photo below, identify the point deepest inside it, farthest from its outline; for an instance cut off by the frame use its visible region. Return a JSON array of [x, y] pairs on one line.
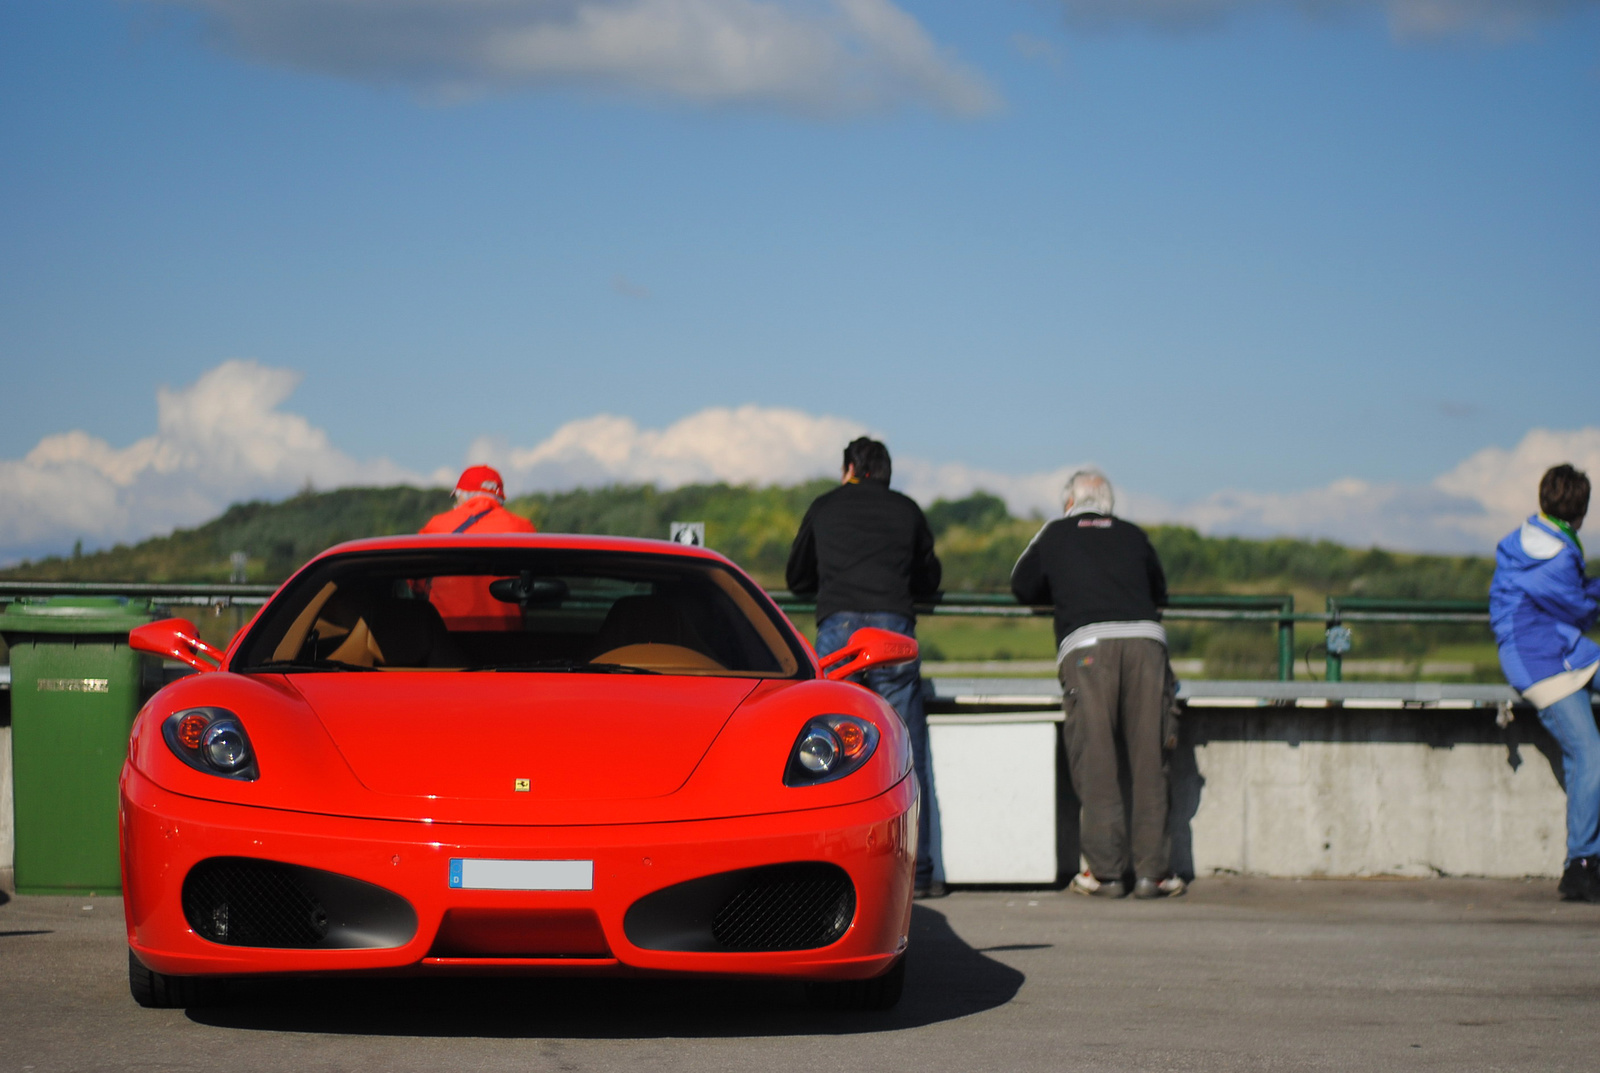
[[1115, 693]]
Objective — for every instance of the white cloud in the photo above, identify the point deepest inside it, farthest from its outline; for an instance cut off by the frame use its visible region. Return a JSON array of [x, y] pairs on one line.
[[1351, 511], [1491, 20], [1024, 494], [1506, 483], [1467, 509], [747, 445], [219, 440], [813, 56], [224, 439]]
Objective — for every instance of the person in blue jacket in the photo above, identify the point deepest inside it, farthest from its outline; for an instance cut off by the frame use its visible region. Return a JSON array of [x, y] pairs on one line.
[[1541, 605]]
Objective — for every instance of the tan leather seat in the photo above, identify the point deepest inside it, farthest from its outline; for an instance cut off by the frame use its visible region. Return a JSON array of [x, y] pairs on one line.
[[410, 633], [642, 620]]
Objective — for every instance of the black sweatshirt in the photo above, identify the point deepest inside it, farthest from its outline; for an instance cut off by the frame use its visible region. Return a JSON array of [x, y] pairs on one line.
[[1094, 568], [864, 547]]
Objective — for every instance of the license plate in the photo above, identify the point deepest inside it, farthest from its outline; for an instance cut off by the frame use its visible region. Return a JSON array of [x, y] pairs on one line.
[[480, 873]]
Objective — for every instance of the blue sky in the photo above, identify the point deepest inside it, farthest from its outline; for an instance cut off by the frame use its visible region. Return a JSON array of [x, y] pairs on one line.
[[1218, 247]]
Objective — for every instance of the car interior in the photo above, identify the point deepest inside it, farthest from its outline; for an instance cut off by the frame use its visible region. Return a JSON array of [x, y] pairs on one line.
[[637, 613]]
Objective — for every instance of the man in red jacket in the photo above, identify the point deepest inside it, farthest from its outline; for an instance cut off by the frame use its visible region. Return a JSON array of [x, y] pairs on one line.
[[480, 507], [464, 602]]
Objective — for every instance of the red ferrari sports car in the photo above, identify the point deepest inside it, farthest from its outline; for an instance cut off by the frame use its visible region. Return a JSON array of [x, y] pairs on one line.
[[650, 773]]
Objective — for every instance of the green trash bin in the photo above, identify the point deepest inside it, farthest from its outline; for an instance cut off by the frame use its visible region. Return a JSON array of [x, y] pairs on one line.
[[75, 688]]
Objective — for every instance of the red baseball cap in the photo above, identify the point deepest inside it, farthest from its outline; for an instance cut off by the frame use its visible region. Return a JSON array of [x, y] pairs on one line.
[[482, 481]]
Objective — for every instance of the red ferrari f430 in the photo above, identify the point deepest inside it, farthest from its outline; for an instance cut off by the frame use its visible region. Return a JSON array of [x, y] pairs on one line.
[[633, 765]]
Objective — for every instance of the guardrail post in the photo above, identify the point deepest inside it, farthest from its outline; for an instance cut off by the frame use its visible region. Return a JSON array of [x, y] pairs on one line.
[[1286, 641], [1336, 642]]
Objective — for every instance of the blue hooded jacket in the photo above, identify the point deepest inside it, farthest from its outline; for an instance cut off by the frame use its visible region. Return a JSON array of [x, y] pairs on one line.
[[1541, 605]]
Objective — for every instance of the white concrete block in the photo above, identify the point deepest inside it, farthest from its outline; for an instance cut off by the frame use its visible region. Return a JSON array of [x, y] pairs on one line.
[[996, 784]]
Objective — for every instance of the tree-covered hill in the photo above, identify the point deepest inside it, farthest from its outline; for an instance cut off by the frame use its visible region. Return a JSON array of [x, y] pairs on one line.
[[978, 541], [278, 537]]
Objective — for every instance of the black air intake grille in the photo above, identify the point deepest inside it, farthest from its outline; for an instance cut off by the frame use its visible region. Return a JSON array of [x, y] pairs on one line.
[[242, 902], [788, 907], [799, 906]]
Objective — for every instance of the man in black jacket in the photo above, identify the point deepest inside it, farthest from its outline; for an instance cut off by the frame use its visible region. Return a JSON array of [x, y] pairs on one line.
[[1107, 586], [867, 554]]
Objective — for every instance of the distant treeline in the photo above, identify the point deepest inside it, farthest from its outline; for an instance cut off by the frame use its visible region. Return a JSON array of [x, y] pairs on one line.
[[978, 540]]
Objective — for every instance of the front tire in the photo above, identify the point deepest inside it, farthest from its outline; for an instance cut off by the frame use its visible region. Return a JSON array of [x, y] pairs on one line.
[[158, 991], [878, 993]]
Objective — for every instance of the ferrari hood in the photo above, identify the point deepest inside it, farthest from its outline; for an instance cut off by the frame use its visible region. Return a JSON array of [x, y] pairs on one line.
[[521, 736]]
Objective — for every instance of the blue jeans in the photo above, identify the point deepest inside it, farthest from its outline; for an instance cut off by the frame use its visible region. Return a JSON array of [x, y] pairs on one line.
[[901, 686], [1570, 721]]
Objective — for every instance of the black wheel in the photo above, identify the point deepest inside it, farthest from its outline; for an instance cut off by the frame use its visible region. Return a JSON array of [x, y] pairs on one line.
[[157, 991], [878, 993]]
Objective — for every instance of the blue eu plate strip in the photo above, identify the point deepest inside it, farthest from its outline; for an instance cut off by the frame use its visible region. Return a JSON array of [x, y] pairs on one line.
[[455, 872]]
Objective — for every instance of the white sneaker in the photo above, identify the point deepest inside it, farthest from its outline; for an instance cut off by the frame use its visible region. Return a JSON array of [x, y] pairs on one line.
[[1085, 883], [1170, 887]]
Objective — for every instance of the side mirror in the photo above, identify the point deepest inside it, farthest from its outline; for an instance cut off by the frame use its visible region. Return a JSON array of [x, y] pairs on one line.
[[176, 638], [869, 647]]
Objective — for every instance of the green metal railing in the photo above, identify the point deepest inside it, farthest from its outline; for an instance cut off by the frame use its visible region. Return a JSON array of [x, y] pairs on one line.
[[1275, 608], [1342, 609], [185, 595]]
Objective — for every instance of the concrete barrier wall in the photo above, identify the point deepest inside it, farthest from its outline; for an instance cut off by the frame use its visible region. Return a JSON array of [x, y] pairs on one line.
[[1339, 792], [1277, 791]]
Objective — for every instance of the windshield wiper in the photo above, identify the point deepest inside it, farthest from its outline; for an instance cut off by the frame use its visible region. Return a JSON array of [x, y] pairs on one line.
[[570, 666], [309, 665]]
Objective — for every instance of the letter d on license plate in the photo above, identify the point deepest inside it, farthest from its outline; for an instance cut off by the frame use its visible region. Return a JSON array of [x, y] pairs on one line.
[[480, 873]]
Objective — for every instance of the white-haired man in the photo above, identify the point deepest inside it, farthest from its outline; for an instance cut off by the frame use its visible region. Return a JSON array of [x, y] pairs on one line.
[[1107, 586]]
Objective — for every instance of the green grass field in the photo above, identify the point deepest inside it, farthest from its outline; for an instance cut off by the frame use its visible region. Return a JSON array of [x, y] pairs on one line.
[[1242, 650]]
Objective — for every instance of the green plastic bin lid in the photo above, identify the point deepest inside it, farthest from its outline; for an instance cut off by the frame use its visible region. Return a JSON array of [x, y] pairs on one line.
[[74, 614]]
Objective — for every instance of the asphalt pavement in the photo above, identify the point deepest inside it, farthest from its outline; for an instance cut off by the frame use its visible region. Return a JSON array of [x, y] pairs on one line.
[[1242, 974]]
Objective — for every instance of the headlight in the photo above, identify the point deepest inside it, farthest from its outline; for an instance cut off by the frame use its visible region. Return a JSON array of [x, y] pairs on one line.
[[211, 740], [830, 747]]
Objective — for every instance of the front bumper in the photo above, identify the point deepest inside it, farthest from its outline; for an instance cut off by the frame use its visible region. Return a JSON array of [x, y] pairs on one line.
[[164, 835]]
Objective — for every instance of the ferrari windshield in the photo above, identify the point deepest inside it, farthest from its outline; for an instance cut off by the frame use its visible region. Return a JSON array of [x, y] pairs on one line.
[[514, 609]]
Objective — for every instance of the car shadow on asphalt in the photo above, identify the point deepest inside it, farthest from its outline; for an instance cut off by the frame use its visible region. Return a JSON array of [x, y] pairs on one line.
[[946, 979]]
